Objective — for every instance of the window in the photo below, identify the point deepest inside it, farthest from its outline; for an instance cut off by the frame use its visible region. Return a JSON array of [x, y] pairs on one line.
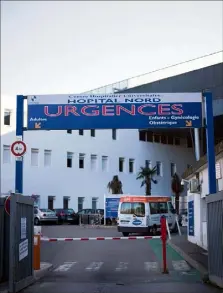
[[170, 140], [92, 132], [7, 117], [104, 163], [159, 169], [80, 203], [158, 208], [93, 162], [94, 203], [34, 157], [36, 198], [81, 161], [173, 169], [171, 208], [6, 154], [163, 139], [69, 131], [157, 138], [114, 134], [131, 165], [50, 202], [149, 136], [121, 164], [69, 159], [148, 164], [65, 202], [81, 132], [177, 141], [142, 135], [136, 208], [47, 157]]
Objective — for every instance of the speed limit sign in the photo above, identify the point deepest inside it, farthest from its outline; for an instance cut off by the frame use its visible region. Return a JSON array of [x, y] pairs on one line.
[[18, 148]]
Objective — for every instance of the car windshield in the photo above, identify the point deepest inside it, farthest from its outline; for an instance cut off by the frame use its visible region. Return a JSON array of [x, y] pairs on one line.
[[69, 211], [133, 208], [158, 208], [46, 210]]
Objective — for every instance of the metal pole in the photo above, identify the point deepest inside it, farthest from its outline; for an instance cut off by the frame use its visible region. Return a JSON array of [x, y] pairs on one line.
[[19, 135], [163, 238], [104, 209], [210, 142], [197, 143], [178, 226]]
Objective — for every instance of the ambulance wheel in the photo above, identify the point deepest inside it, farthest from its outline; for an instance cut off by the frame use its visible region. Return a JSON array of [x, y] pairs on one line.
[[125, 234]]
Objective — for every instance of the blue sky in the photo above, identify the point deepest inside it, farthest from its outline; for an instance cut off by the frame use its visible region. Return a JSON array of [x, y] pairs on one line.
[[70, 47]]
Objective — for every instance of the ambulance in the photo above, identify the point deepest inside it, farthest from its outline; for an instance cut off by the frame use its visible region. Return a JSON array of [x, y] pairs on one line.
[[141, 214]]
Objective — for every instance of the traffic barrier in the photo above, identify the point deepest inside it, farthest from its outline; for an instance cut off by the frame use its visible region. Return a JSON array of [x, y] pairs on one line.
[[100, 238], [163, 237]]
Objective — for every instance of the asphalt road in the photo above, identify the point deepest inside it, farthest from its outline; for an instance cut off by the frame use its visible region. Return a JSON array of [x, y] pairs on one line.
[[112, 265]]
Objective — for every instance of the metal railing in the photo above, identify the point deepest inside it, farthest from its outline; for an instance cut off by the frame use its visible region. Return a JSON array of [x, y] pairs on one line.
[[91, 219]]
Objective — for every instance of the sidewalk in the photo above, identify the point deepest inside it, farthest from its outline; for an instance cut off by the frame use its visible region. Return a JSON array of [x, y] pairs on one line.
[[196, 256], [44, 269]]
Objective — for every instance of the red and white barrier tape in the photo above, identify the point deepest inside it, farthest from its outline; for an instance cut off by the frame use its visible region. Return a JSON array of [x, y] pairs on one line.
[[100, 238]]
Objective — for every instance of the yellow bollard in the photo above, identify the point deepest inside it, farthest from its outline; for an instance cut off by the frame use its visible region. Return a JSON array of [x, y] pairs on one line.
[[36, 254]]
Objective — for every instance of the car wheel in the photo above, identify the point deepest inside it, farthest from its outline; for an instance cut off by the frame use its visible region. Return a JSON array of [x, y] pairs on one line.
[[36, 222], [125, 234]]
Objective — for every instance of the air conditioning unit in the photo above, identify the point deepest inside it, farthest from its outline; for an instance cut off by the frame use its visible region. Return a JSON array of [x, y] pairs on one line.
[[195, 186]]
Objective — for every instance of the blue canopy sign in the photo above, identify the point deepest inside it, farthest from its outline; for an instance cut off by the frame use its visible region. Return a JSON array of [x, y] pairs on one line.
[[120, 111], [111, 206]]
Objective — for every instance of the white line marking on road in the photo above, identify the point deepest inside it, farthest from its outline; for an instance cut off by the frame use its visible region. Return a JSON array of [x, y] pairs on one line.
[[180, 265], [94, 266], [65, 267], [151, 266], [123, 266]]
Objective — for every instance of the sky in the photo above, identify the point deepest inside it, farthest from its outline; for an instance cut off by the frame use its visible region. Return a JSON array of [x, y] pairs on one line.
[[64, 47]]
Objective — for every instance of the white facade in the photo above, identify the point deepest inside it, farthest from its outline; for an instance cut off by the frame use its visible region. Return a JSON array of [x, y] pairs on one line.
[[200, 205], [45, 163]]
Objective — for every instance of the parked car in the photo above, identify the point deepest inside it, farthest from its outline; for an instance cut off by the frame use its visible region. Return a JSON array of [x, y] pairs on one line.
[[65, 215], [61, 215], [44, 216], [86, 218]]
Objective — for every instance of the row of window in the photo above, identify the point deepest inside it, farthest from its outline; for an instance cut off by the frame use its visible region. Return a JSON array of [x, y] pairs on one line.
[[66, 200], [150, 136], [93, 133], [82, 159]]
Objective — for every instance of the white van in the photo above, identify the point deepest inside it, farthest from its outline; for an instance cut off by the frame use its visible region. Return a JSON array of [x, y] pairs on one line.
[[142, 213]]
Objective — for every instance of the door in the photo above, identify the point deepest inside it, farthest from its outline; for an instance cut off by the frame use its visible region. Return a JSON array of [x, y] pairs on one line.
[[132, 214], [157, 210]]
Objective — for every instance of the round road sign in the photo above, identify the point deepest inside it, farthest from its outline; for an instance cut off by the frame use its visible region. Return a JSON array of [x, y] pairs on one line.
[[18, 148], [7, 205]]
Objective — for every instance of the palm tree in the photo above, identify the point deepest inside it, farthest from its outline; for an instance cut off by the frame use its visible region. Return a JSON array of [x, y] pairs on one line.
[[115, 185], [177, 188], [146, 175]]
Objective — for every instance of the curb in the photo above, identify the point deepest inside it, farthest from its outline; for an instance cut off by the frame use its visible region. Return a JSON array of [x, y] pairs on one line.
[[202, 270], [45, 268]]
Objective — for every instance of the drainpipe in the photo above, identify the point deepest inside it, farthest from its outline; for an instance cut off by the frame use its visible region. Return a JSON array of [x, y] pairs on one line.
[[197, 144]]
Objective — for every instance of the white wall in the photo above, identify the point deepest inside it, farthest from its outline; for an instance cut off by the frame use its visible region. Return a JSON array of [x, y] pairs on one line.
[[200, 206], [59, 181]]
